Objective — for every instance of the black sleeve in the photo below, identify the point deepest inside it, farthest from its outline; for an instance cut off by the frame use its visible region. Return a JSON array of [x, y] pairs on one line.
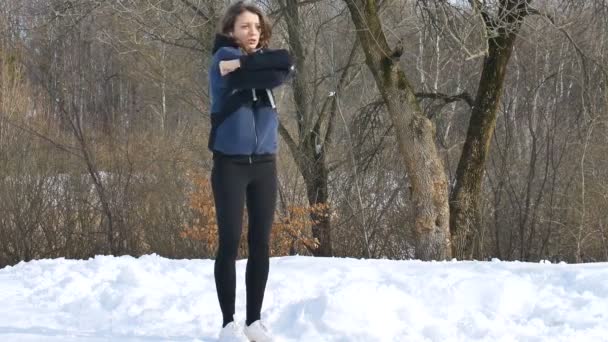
[[267, 59], [257, 79]]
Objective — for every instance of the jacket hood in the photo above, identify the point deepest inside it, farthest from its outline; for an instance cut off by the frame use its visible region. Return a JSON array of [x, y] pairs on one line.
[[221, 41]]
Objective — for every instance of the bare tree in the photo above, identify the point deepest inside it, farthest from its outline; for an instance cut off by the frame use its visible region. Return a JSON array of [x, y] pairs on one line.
[[315, 112], [415, 133]]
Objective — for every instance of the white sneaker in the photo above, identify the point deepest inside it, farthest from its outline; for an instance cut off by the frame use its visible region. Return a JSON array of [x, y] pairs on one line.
[[257, 332], [232, 332]]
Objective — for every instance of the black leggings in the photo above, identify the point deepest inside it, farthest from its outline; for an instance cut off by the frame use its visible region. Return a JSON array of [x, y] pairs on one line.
[[234, 181]]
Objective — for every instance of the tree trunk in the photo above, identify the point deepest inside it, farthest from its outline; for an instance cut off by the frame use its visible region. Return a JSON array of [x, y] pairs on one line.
[[465, 200], [311, 162], [415, 134], [316, 188]]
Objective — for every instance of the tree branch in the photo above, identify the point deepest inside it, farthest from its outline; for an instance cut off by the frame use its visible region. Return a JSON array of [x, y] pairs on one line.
[[291, 144], [582, 55], [278, 13], [447, 98], [341, 82], [196, 10], [59, 146]]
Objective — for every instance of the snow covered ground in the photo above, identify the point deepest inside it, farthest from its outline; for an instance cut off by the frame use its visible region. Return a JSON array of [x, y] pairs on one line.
[[307, 299]]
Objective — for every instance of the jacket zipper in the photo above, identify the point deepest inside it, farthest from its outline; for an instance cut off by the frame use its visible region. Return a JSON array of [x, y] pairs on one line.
[[271, 98], [255, 131]]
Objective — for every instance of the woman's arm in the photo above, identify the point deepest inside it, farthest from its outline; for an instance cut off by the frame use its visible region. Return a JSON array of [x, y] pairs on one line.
[[257, 79], [266, 59], [266, 69], [227, 67], [274, 59]]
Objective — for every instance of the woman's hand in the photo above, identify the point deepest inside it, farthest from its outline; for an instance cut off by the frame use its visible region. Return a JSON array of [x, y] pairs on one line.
[[229, 66]]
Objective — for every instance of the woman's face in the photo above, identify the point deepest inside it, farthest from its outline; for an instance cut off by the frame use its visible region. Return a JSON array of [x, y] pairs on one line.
[[247, 30]]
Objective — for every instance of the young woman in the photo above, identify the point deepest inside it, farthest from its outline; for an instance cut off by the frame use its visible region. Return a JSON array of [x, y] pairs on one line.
[[243, 140]]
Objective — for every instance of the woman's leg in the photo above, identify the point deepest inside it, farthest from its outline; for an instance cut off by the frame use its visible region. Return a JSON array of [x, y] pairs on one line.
[[228, 181], [261, 203]]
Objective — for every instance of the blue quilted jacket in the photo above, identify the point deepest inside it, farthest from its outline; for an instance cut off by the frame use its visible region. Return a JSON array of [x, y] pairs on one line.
[[243, 112]]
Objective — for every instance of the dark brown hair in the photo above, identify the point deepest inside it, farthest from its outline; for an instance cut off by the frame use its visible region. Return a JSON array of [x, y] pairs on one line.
[[236, 9]]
